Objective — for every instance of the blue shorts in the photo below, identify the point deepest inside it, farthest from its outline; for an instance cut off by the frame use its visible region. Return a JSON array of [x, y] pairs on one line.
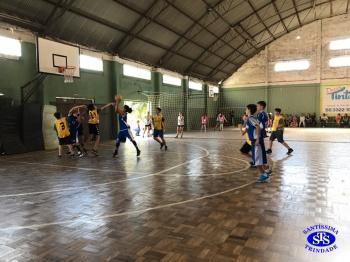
[[158, 133], [74, 135], [123, 135]]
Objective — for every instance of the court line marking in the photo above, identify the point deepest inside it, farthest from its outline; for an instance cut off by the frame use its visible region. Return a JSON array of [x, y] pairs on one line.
[[135, 178], [112, 182], [90, 220]]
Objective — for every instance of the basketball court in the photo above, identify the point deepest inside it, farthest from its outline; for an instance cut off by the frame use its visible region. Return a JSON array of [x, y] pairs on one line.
[[81, 83], [198, 200]]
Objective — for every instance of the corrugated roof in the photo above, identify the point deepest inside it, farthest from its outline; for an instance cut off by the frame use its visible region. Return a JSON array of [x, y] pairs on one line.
[[209, 39]]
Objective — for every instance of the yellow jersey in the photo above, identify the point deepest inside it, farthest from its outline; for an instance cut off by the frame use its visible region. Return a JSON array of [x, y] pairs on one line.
[[62, 128], [247, 139], [158, 122], [94, 118], [276, 122]]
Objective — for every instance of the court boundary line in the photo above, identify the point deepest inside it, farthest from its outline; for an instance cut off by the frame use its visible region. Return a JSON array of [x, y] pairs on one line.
[[90, 220], [131, 179]]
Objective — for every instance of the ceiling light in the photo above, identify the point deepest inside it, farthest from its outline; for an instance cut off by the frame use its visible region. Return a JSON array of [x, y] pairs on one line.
[[298, 37], [1, 94]]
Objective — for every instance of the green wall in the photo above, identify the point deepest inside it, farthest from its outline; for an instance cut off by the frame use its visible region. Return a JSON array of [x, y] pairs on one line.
[[100, 86], [293, 99]]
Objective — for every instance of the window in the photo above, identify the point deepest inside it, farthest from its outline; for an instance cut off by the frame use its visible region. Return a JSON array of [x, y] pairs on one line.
[[340, 44], [134, 71], [195, 85], [2, 94], [292, 65], [91, 63], [215, 89], [10, 47], [339, 61], [171, 80]]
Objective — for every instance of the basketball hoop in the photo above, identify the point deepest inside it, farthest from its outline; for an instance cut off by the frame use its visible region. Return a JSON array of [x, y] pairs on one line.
[[216, 97], [68, 73]]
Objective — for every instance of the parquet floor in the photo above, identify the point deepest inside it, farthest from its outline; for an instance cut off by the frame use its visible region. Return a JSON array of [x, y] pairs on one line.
[[196, 202]]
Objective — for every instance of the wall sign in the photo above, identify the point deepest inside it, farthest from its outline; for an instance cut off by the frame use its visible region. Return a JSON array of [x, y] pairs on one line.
[[335, 99]]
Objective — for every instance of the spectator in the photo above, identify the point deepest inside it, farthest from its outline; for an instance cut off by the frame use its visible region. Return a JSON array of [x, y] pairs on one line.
[[345, 121], [324, 120], [302, 120], [313, 120], [338, 120], [294, 122], [308, 120]]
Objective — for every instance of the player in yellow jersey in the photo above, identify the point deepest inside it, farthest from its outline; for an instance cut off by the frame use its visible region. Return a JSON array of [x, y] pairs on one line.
[[63, 134], [277, 132], [94, 124], [158, 128]]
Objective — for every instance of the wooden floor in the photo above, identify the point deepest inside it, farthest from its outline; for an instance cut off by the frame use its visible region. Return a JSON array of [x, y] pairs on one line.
[[196, 202]]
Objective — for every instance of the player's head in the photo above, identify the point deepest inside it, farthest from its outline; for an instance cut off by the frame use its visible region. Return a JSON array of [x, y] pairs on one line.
[[244, 117], [57, 115], [278, 111], [261, 105], [158, 110], [251, 109], [91, 107], [127, 109], [180, 113]]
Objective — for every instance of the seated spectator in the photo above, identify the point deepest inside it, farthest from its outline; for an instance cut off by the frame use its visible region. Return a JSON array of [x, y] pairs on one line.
[[324, 120], [338, 120], [313, 120], [294, 122], [308, 120], [302, 120], [345, 121]]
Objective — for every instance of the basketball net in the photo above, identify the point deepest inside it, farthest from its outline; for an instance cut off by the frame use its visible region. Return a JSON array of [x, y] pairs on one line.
[[68, 73]]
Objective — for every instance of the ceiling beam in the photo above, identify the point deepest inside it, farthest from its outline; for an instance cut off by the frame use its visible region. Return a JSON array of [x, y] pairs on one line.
[[296, 12], [217, 38], [260, 19], [347, 6], [122, 3], [120, 43], [233, 28], [194, 23], [116, 27], [279, 16], [256, 34], [20, 21]]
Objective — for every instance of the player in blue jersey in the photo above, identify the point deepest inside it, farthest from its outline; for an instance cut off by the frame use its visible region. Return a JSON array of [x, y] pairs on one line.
[[74, 124], [124, 128], [254, 131], [263, 119]]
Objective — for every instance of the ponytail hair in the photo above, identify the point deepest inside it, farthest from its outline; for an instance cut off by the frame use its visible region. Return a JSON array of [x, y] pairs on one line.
[[127, 109]]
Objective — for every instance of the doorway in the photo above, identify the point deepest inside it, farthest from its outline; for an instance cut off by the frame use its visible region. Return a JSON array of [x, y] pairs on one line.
[[139, 112]]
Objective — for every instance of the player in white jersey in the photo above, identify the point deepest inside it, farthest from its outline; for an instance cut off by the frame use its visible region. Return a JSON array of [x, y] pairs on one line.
[[180, 125]]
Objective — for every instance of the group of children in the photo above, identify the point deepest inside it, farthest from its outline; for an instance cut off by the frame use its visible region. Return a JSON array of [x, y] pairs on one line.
[[70, 129], [254, 128], [70, 132]]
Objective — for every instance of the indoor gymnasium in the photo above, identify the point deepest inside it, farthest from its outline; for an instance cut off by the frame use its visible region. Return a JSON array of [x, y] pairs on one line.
[[175, 130]]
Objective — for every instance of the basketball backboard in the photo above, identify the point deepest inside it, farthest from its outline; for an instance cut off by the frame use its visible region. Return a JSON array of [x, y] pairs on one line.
[[53, 55]]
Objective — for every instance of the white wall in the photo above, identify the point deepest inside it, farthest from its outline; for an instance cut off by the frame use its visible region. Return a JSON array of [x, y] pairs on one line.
[[310, 42]]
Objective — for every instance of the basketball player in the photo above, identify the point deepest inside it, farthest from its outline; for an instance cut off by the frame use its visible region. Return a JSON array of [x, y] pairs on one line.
[[204, 122], [81, 137], [277, 132], [73, 128], [263, 119], [62, 129], [253, 130], [159, 126], [94, 122], [180, 125], [148, 125], [124, 128]]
